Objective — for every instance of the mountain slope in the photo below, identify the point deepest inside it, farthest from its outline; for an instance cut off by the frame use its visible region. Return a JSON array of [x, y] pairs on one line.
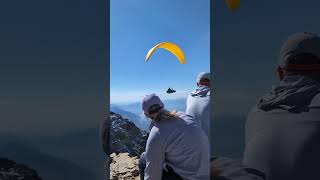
[[172, 104], [10, 170], [139, 121], [125, 136], [81, 147], [48, 167]]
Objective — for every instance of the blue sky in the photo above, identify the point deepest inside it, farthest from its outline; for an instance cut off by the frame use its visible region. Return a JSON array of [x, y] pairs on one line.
[[136, 26]]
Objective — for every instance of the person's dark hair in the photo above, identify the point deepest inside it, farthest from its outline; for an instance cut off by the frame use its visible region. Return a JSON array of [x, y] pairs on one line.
[[204, 80], [303, 59], [154, 109], [158, 113]]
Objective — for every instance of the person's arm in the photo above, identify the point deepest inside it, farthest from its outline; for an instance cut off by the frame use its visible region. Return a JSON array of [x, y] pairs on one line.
[[250, 125], [188, 104], [155, 154]]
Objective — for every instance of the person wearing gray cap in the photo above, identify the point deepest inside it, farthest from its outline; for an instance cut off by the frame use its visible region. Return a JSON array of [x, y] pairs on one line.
[[198, 102], [175, 143], [283, 129]]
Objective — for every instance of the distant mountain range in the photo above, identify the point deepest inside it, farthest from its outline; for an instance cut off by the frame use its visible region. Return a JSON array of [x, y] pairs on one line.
[[172, 104], [81, 147], [79, 150], [134, 112], [47, 166], [140, 121]]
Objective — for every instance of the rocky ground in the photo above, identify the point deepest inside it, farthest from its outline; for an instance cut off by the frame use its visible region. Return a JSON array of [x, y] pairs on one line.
[[9, 170], [124, 167], [127, 143]]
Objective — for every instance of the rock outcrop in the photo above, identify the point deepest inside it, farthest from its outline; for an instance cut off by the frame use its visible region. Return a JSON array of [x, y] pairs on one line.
[[127, 144], [9, 170], [124, 167], [125, 136]]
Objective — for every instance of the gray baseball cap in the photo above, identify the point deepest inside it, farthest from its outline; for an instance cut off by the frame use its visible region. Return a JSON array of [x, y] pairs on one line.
[[150, 100], [299, 43], [203, 75]]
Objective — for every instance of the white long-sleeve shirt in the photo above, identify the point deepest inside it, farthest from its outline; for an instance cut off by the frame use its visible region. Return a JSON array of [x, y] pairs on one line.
[[181, 144]]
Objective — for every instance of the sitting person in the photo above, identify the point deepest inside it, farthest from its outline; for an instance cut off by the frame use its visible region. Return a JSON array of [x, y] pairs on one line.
[[282, 129], [176, 148], [198, 102]]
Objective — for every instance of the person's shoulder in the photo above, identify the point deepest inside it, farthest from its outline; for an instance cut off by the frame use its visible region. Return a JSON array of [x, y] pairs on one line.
[[253, 109], [154, 134], [189, 96], [252, 114], [315, 101], [186, 119], [163, 127], [154, 129], [183, 115]]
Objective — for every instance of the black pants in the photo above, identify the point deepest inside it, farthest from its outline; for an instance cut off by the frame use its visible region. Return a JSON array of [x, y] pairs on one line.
[[166, 175], [239, 169]]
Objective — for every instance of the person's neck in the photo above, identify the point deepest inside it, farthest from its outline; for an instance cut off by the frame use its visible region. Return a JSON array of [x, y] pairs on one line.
[[313, 76], [203, 86]]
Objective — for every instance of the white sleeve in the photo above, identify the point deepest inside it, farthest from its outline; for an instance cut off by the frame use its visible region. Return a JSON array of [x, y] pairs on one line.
[[188, 104], [155, 154]]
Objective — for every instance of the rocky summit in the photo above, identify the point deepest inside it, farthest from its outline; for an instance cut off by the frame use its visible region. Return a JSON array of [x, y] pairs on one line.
[[124, 167], [127, 143]]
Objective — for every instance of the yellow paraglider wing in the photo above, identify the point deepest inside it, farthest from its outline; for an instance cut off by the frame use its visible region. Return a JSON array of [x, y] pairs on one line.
[[173, 48], [233, 4]]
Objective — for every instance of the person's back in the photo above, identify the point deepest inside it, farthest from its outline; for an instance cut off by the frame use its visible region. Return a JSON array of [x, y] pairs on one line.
[[283, 129], [175, 141], [284, 144], [198, 103], [184, 146]]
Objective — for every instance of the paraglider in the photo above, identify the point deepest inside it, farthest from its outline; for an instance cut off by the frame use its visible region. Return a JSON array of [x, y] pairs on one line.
[[233, 4], [170, 91], [173, 48]]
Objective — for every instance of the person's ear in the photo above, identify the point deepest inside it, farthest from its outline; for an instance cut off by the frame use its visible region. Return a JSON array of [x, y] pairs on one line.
[[280, 73]]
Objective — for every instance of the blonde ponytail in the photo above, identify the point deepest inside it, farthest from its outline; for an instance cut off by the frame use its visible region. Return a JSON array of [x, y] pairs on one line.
[[164, 115]]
